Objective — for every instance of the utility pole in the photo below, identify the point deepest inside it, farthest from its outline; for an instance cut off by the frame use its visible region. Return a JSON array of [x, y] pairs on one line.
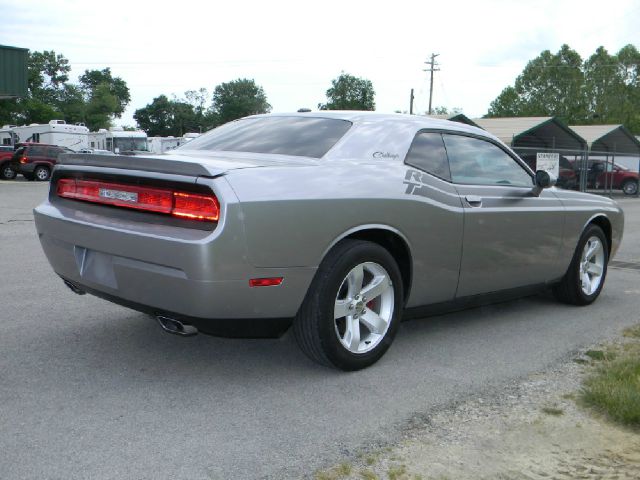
[[432, 68], [411, 103]]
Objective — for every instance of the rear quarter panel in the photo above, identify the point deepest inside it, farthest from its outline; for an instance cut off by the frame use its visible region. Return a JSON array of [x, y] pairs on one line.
[[293, 216]]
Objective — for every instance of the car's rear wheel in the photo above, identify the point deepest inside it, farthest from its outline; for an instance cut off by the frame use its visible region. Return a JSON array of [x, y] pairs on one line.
[[353, 308], [42, 173], [7, 173], [630, 187], [585, 278]]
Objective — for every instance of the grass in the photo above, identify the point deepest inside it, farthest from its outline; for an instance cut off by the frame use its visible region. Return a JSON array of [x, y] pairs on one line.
[[396, 472], [599, 355], [614, 387], [556, 412]]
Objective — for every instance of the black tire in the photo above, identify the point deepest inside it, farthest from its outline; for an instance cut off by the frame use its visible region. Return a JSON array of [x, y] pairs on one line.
[[569, 290], [630, 187], [315, 328], [6, 172], [41, 173]]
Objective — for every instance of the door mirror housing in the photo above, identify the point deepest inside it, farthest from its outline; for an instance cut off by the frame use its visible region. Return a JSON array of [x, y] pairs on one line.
[[543, 179]]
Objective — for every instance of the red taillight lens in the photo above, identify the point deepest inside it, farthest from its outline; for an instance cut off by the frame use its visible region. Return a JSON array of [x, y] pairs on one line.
[[159, 200], [265, 282], [23, 160]]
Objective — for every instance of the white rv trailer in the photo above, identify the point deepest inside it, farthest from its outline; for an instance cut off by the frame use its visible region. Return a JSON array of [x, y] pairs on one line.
[[118, 140], [164, 144], [56, 132], [7, 137]]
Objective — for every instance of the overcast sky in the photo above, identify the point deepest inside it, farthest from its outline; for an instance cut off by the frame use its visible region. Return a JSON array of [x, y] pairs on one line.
[[293, 49]]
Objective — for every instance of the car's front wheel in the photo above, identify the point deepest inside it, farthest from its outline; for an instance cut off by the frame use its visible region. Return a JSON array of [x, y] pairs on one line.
[[584, 280], [6, 172], [353, 308]]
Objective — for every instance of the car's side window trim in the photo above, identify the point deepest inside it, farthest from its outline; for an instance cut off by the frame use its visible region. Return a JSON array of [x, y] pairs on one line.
[[441, 131], [406, 157], [516, 159]]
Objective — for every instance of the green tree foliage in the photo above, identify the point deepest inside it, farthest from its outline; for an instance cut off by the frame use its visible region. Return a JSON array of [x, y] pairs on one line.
[[164, 117], [604, 88], [551, 84], [237, 99], [97, 99], [101, 83], [349, 93]]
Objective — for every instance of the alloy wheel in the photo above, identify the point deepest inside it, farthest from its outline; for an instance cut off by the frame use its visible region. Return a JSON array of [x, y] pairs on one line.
[[591, 265], [364, 307]]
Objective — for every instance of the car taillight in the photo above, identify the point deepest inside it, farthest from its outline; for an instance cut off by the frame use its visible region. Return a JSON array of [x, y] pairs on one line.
[[24, 159], [180, 204]]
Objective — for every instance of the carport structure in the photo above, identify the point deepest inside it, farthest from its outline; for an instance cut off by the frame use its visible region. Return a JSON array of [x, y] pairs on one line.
[[608, 142], [456, 117], [547, 133]]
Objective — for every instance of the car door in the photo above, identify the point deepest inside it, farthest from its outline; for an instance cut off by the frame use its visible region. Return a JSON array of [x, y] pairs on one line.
[[511, 237], [436, 225]]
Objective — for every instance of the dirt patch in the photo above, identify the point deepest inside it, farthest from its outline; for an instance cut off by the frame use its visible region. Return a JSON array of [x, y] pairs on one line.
[[534, 429]]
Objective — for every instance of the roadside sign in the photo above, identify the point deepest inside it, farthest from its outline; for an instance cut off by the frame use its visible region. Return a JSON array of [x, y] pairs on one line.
[[549, 162]]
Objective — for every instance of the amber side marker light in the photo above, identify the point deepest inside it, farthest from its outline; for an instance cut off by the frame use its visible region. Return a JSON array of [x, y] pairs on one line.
[[179, 204], [265, 282]]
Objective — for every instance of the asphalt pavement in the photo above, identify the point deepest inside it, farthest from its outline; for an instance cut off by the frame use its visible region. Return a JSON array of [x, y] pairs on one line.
[[89, 389]]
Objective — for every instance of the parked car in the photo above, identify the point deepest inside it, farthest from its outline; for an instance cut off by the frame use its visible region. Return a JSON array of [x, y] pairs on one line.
[[36, 160], [339, 223], [567, 175], [602, 174], [6, 170]]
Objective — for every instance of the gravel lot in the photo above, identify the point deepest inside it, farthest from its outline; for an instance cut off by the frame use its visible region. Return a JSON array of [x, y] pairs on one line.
[[92, 390]]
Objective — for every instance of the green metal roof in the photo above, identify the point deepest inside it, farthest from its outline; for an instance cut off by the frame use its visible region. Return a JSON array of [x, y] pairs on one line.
[[13, 72]]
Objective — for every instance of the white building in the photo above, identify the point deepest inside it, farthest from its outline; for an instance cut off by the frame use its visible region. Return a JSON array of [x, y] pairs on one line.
[[56, 132], [118, 140]]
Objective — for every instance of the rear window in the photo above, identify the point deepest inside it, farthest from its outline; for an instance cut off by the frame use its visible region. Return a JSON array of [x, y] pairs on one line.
[[299, 136]]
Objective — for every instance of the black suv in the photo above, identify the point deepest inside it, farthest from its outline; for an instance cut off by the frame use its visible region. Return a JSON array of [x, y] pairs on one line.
[[36, 160]]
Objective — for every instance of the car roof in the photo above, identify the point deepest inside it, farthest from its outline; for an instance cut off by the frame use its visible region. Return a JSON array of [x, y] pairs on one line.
[[357, 116]]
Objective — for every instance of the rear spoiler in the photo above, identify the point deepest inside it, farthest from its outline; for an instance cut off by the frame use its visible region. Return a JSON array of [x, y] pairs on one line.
[[147, 164]]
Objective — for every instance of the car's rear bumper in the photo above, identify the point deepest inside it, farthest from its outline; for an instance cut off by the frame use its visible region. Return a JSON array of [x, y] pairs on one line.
[[196, 274]]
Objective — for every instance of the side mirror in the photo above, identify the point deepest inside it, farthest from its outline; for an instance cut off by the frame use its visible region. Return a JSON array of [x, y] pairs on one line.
[[543, 180]]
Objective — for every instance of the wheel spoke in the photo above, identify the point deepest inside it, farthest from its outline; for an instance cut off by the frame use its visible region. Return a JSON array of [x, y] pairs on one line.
[[354, 279], [378, 285], [341, 308], [352, 334], [586, 283], [594, 269], [592, 249], [374, 322]]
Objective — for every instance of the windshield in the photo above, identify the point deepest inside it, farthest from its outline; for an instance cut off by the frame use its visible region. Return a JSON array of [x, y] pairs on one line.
[[299, 136], [125, 144]]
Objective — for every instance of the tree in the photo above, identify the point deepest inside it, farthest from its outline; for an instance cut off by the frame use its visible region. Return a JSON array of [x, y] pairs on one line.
[[550, 84], [92, 80], [349, 93], [237, 99], [164, 117]]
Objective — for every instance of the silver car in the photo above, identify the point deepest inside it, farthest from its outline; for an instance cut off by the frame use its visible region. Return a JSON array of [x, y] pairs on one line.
[[340, 223]]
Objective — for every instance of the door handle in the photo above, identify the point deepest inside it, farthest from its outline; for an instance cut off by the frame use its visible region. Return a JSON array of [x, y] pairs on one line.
[[473, 200]]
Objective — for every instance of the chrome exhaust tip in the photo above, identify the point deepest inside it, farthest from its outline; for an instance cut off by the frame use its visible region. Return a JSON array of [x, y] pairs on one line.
[[176, 327]]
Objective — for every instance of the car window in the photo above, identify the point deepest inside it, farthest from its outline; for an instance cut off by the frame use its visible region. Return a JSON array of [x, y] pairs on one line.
[[36, 151], [476, 161], [300, 136], [427, 153]]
